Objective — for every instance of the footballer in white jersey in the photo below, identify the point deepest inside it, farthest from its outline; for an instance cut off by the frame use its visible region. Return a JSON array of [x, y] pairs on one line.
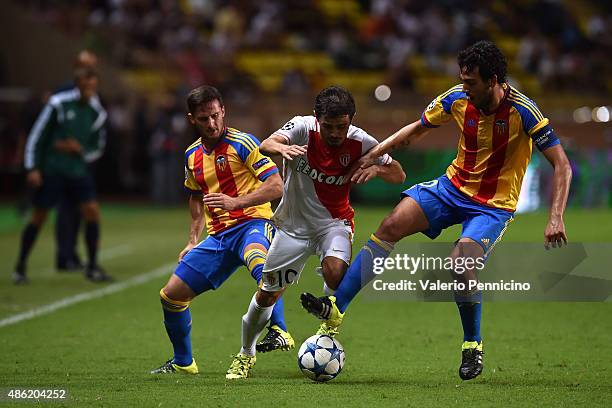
[[320, 155], [314, 216], [316, 192]]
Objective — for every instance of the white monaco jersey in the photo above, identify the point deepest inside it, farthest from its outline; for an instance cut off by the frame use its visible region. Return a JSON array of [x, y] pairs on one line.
[[316, 192]]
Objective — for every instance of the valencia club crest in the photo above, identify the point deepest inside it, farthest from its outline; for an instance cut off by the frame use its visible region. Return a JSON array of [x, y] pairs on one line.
[[221, 162]]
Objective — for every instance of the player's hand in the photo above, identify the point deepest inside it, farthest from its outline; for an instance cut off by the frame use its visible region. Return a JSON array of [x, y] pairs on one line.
[[74, 146], [69, 145], [188, 248], [369, 159], [34, 178], [358, 166], [289, 152], [555, 233], [362, 176], [220, 200]]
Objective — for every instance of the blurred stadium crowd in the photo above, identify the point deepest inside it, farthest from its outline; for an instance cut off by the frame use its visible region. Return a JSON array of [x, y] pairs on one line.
[[560, 44], [249, 48]]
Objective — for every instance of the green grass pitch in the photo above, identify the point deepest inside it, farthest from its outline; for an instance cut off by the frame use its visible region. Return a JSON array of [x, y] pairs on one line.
[[398, 353]]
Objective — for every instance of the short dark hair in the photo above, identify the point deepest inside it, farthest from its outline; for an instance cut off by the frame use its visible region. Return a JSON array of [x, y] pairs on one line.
[[201, 95], [487, 57], [334, 101]]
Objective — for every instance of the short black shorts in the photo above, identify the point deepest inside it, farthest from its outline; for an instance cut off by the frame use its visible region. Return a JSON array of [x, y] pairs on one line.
[[76, 189]]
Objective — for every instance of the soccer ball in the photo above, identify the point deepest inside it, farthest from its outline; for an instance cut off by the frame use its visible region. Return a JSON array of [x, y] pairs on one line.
[[321, 358]]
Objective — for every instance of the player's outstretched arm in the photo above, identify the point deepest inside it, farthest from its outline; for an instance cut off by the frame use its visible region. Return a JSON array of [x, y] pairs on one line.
[[196, 208], [277, 145], [554, 234], [271, 189], [401, 138], [392, 173]]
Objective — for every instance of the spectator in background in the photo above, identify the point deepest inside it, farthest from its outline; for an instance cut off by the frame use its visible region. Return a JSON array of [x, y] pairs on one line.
[[68, 134], [165, 151]]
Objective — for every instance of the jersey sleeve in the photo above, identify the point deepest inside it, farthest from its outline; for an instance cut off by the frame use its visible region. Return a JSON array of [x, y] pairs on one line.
[[439, 111], [191, 185], [97, 142], [544, 138], [295, 131], [535, 125], [260, 165], [367, 143], [38, 137]]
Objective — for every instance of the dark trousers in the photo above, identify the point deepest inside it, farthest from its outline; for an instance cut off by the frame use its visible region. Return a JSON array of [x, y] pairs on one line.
[[67, 224]]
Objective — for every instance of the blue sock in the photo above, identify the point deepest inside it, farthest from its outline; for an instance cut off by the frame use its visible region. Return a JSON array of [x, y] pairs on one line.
[[278, 315], [361, 271], [471, 313], [178, 327]]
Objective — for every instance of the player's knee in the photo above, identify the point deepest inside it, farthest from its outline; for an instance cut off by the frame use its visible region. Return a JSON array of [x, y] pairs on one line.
[[468, 257], [170, 302], [91, 212], [390, 229], [267, 299], [254, 256], [177, 290], [39, 216], [333, 271]]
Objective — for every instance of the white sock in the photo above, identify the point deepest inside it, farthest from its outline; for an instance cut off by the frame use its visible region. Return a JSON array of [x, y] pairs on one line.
[[327, 290], [253, 323]]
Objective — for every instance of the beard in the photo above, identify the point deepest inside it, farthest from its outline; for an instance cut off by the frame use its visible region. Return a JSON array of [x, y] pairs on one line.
[[484, 102]]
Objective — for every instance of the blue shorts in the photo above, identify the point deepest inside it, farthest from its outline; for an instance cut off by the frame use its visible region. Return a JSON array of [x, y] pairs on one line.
[[444, 205], [75, 189], [216, 258]]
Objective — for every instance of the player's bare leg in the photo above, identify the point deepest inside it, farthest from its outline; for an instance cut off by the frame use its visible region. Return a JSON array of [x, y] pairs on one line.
[[407, 218], [176, 296], [333, 270], [469, 304]]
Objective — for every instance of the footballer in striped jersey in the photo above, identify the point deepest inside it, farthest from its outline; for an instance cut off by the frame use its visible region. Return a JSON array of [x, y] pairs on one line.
[[498, 125], [230, 185]]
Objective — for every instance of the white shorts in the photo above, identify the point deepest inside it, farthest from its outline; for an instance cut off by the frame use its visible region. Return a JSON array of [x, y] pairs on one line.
[[288, 255]]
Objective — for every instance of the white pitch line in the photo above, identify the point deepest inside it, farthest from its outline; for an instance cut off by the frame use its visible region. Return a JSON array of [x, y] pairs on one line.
[[115, 252], [164, 270]]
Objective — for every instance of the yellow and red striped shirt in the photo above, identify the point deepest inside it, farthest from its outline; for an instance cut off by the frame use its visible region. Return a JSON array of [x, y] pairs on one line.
[[235, 167], [494, 148]]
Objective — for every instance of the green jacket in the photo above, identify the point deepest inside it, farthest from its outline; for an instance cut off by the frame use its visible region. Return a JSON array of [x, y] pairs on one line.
[[66, 116]]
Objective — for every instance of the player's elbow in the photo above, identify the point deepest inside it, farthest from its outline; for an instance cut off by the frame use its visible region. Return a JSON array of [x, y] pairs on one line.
[[266, 146], [275, 186], [564, 168], [401, 176], [396, 174]]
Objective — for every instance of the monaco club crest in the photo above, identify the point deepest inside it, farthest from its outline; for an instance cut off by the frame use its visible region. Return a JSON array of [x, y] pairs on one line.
[[345, 159], [221, 162]]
